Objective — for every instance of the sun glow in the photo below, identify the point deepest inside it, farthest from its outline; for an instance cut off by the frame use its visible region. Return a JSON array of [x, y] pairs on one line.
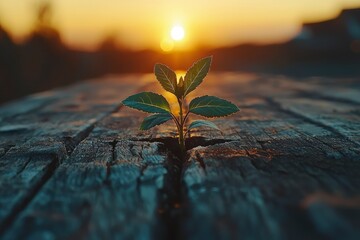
[[167, 45], [174, 39], [177, 33], [171, 25]]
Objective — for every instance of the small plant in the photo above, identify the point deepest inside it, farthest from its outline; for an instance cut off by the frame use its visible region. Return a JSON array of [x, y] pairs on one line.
[[206, 106]]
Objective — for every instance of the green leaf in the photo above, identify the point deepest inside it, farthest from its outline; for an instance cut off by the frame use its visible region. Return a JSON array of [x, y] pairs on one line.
[[195, 75], [148, 102], [202, 123], [166, 77], [153, 120], [209, 106]]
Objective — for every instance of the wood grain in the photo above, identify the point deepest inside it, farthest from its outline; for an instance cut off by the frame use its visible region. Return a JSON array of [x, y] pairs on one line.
[[74, 164], [33, 141]]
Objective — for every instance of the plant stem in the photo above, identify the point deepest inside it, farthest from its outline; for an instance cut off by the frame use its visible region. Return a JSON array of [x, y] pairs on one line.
[[176, 121], [181, 128]]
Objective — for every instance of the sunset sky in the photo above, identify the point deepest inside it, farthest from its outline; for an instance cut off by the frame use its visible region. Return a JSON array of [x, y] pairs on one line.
[[144, 24]]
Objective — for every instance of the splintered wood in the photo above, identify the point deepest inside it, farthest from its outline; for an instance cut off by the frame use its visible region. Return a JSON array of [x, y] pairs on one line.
[[74, 164]]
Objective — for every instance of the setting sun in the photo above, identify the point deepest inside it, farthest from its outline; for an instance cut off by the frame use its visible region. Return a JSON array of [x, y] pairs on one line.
[[177, 33]]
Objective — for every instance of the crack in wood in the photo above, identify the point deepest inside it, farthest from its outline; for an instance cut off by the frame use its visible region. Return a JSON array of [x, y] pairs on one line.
[[111, 163], [71, 142], [200, 160], [24, 166], [192, 142], [170, 204], [170, 207], [5, 149]]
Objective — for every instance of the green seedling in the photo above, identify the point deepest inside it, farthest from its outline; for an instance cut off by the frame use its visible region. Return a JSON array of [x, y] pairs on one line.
[[206, 106]]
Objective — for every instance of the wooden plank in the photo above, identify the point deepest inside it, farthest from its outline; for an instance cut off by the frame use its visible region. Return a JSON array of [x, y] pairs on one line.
[[267, 168], [341, 90], [339, 117], [76, 110], [104, 190], [27, 104], [273, 160], [67, 122], [273, 119], [109, 187], [11, 134], [23, 171], [232, 194]]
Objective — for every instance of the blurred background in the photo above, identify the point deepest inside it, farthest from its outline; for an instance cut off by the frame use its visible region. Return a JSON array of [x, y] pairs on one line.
[[47, 44]]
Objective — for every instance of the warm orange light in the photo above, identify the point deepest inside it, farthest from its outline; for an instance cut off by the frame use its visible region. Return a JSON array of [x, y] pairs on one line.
[[180, 73], [167, 45], [143, 25], [177, 33]]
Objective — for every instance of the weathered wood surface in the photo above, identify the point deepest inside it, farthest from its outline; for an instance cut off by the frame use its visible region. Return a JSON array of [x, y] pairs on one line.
[[73, 164]]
